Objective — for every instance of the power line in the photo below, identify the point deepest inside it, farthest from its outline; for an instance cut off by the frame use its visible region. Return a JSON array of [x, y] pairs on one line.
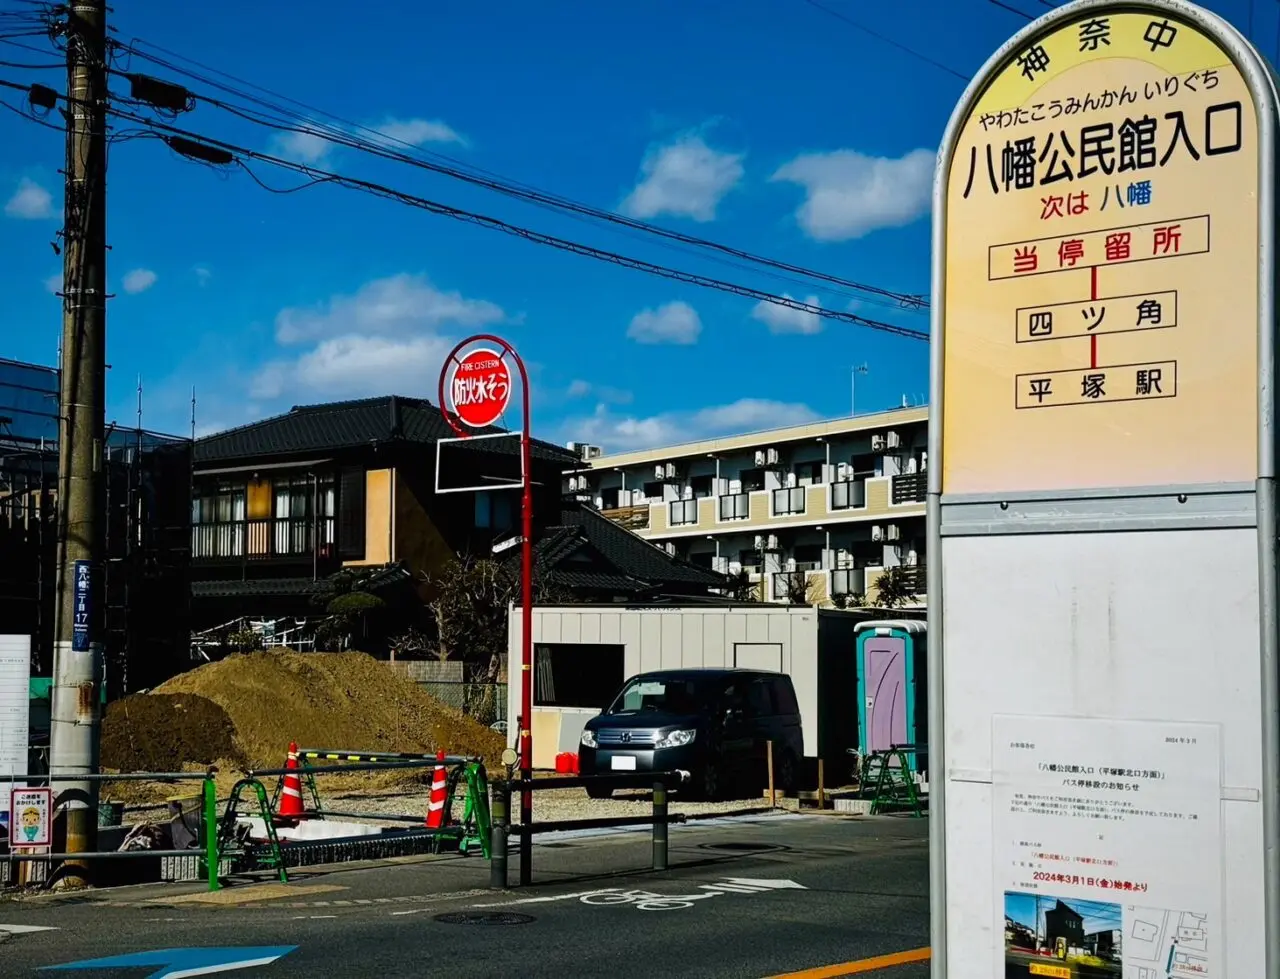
[[378, 145], [1013, 10], [886, 39]]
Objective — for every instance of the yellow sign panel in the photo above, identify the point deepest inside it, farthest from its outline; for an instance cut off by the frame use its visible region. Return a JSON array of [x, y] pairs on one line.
[[1056, 971], [1101, 266]]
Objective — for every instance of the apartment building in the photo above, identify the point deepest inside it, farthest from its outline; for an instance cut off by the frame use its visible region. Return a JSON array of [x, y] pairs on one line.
[[811, 513]]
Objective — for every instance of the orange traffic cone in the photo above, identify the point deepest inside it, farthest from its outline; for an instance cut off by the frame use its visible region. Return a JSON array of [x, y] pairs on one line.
[[435, 808], [290, 808]]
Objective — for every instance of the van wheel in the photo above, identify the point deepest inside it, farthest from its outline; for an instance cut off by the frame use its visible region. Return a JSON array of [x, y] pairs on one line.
[[706, 783], [599, 792]]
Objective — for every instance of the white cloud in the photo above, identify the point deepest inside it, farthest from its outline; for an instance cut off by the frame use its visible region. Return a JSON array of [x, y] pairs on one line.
[[302, 147], [416, 132], [139, 280], [390, 336], [786, 319], [203, 274], [385, 306], [357, 366], [620, 433], [686, 178], [675, 322], [30, 201], [601, 392], [849, 194]]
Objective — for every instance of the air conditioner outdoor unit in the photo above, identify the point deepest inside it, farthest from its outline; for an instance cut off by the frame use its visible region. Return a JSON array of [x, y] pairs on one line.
[[894, 532], [671, 470], [791, 480], [770, 457], [893, 440], [791, 564], [877, 443], [843, 471], [669, 547], [759, 459], [759, 542], [659, 471], [585, 451], [911, 465], [771, 542], [877, 532]]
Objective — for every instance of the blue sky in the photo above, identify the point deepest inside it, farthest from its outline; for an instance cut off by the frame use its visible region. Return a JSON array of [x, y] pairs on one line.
[[766, 124]]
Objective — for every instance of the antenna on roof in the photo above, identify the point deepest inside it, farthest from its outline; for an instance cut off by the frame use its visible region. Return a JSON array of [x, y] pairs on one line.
[[139, 402], [193, 413]]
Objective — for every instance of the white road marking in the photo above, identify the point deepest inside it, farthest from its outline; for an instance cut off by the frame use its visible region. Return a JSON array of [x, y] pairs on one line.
[[548, 899], [25, 929], [766, 884]]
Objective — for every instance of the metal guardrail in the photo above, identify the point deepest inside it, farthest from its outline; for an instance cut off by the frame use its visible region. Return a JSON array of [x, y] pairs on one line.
[[502, 828]]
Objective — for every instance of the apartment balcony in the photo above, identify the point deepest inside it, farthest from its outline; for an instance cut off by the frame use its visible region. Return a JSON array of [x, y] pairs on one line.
[[789, 501], [909, 488], [630, 517], [735, 506], [848, 581]]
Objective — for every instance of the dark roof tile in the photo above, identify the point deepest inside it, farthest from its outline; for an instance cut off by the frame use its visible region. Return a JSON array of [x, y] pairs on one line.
[[349, 424]]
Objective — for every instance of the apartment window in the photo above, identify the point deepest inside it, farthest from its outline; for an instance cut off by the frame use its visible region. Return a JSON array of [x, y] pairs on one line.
[[683, 512], [702, 486], [752, 480], [788, 500], [808, 473], [735, 506], [494, 511], [654, 490], [808, 557]]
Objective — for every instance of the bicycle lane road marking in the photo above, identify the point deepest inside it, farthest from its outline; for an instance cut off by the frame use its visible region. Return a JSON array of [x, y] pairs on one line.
[[859, 966]]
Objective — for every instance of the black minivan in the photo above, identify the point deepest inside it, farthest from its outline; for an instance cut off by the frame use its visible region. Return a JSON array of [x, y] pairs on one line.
[[714, 724]]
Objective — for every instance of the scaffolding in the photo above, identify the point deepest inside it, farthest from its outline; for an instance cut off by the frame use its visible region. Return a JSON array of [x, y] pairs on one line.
[[146, 584]]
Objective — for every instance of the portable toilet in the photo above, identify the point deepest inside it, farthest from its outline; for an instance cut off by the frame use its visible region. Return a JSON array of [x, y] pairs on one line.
[[893, 688]]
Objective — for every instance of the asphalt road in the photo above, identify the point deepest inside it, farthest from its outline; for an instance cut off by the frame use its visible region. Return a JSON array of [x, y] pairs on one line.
[[788, 893]]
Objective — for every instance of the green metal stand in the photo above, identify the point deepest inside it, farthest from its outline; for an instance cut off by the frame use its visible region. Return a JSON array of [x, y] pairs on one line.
[[309, 782], [475, 826], [227, 828], [893, 781], [209, 863]]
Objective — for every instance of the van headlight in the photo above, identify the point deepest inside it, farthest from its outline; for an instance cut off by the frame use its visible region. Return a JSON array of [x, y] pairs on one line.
[[674, 739], [588, 738]]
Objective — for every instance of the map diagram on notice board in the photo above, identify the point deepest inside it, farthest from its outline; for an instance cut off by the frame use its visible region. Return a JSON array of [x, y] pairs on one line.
[[1100, 306]]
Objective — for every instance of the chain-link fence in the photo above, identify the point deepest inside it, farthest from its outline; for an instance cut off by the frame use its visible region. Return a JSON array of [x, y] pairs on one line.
[[486, 702]]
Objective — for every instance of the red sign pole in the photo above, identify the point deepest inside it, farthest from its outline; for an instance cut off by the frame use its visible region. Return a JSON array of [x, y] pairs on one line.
[[485, 388]]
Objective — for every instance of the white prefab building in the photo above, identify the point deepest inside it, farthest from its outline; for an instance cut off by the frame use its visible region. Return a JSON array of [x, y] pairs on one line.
[[582, 654]]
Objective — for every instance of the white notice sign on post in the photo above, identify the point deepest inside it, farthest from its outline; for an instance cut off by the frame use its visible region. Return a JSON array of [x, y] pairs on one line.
[[1108, 847], [15, 704]]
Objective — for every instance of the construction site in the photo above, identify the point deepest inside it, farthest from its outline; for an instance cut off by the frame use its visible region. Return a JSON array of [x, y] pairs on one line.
[[148, 535]]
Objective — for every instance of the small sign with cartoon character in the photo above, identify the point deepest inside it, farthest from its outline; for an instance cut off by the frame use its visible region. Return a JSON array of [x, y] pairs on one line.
[[30, 817]]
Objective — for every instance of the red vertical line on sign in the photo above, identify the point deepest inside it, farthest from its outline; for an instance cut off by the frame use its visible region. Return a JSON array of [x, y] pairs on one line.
[[1093, 294]]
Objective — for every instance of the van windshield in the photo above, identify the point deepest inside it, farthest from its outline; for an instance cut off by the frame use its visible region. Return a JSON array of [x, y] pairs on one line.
[[669, 696]]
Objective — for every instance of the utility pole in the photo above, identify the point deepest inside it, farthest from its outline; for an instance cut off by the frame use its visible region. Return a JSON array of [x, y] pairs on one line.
[[78, 652]]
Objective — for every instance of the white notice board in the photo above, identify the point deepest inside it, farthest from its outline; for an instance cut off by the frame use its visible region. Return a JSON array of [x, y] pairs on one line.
[[15, 703]]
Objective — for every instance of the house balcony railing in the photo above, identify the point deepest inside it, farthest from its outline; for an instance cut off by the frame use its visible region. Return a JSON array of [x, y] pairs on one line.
[[262, 540], [681, 513], [847, 581], [790, 586], [909, 488], [849, 494], [735, 506], [630, 517]]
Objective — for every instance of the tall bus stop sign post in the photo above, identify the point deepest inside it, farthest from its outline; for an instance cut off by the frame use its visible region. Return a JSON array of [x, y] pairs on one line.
[[1102, 503], [474, 392]]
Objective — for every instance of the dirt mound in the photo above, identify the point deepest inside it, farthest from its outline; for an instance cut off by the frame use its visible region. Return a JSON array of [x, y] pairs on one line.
[[329, 700], [155, 732]]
